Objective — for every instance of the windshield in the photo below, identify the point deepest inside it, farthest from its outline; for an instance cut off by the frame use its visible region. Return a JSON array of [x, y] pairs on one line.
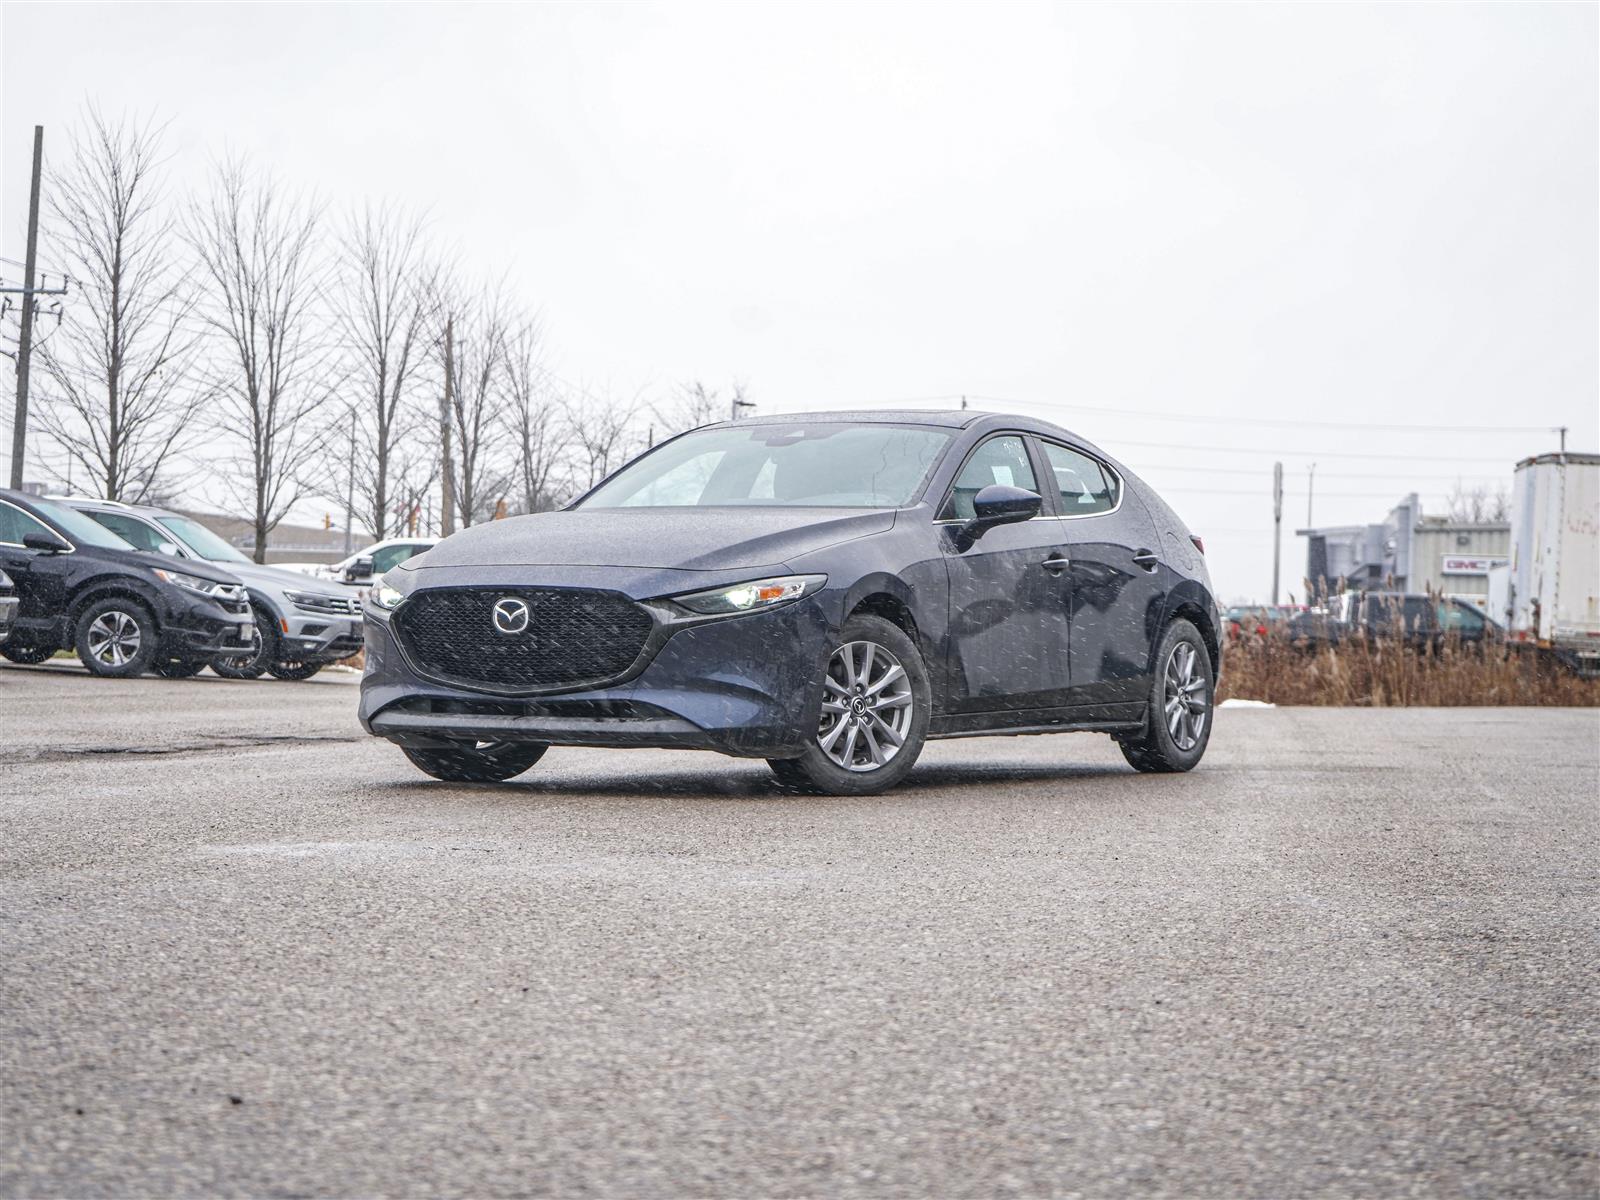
[[807, 465], [81, 530], [201, 540]]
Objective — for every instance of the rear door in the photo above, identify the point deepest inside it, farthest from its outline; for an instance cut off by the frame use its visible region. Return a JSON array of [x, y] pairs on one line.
[[1008, 644], [1114, 581]]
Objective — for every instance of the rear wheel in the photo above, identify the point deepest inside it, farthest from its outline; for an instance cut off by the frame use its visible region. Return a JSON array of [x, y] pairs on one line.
[[294, 670], [253, 663], [492, 762], [1178, 724], [116, 637], [26, 652], [874, 714]]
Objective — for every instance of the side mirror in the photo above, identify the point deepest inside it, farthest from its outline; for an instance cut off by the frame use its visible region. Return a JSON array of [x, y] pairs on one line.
[[360, 569], [1000, 504], [47, 543]]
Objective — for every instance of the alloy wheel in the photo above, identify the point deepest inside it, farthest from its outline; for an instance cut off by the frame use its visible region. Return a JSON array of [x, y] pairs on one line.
[[866, 707], [114, 638], [1186, 702]]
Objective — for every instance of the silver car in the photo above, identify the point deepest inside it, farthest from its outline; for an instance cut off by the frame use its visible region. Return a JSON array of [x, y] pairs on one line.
[[302, 624]]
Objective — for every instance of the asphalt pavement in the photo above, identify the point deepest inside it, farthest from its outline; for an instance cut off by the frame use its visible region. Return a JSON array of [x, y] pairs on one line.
[[245, 950]]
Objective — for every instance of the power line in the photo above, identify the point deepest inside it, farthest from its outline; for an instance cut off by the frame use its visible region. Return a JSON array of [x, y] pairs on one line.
[[1319, 453], [1282, 422]]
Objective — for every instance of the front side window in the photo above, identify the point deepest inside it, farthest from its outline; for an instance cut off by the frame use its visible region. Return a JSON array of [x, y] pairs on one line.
[[1085, 486], [815, 465], [999, 460], [1460, 618], [16, 525], [205, 543], [79, 529]]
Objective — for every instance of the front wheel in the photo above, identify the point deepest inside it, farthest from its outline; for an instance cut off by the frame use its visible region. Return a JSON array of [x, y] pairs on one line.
[[493, 763], [1178, 724], [116, 638], [876, 701], [252, 664]]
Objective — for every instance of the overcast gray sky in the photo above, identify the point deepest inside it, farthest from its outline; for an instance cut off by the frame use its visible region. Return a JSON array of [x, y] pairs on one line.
[[1245, 216]]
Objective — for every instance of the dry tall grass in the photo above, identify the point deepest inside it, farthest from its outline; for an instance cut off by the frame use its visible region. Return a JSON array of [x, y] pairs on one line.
[[1389, 674]]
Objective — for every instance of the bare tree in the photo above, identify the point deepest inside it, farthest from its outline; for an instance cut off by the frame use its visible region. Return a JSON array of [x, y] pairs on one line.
[[538, 428], [257, 251], [1478, 505], [603, 432], [385, 301], [122, 394], [694, 404], [476, 394]]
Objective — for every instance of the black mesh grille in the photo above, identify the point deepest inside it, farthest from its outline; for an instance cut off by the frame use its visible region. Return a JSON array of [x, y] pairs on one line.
[[573, 636]]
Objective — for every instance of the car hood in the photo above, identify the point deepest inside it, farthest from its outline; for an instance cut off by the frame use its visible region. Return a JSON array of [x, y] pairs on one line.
[[256, 575], [166, 562], [686, 539]]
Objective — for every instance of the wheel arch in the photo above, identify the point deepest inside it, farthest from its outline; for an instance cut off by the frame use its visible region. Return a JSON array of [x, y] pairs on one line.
[[106, 589], [1192, 603]]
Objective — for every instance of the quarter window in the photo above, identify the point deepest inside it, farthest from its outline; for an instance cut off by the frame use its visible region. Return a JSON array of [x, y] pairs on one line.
[[1085, 486], [16, 524], [998, 460]]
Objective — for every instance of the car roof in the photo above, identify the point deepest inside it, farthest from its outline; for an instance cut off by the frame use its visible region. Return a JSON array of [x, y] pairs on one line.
[[943, 418]]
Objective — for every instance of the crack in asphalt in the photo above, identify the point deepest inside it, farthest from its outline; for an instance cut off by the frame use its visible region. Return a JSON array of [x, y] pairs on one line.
[[212, 745]]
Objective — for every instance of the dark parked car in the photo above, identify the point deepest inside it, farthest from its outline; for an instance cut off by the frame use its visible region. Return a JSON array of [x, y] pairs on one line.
[[1420, 621], [8, 605], [822, 591], [83, 588], [302, 624]]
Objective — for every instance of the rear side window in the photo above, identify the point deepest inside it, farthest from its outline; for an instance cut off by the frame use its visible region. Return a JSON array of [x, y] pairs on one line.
[[999, 460], [134, 532], [16, 524], [1085, 486]]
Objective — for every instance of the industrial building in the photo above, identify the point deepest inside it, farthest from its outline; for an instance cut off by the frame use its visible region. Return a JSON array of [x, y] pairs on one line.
[[1407, 552]]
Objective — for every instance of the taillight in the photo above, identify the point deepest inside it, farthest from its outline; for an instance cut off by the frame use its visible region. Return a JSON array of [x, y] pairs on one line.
[[1199, 543]]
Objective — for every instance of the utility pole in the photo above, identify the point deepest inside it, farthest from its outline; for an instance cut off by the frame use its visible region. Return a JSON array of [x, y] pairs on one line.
[[350, 485], [19, 420], [1311, 491], [1277, 525], [1562, 430], [447, 503]]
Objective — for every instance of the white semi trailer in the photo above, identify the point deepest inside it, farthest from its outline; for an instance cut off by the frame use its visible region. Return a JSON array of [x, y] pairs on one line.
[[1549, 596]]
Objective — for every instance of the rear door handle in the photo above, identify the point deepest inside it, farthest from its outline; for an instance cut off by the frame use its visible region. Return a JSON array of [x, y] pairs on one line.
[[1146, 559], [1056, 563]]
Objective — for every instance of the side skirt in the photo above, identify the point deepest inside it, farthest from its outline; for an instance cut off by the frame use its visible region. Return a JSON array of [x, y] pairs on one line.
[[1077, 718]]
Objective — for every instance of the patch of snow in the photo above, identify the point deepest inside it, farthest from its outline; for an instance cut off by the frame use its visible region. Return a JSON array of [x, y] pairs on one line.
[[1235, 702]]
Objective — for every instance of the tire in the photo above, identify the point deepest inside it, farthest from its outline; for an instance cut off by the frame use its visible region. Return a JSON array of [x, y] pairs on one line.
[[294, 670], [248, 666], [116, 638], [874, 690], [27, 653], [1182, 704], [470, 764], [179, 668]]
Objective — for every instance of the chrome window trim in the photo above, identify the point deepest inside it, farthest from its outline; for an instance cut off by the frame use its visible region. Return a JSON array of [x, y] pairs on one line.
[[1122, 484], [71, 546]]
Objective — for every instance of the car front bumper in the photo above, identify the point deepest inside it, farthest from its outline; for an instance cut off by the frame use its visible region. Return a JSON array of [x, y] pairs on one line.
[[8, 615], [746, 685], [203, 629], [319, 637]]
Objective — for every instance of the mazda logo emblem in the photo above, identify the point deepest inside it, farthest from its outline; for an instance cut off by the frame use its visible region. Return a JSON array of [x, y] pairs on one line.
[[510, 615]]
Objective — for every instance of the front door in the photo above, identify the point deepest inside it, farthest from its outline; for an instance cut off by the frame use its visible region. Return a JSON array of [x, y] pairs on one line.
[[40, 577], [1008, 646]]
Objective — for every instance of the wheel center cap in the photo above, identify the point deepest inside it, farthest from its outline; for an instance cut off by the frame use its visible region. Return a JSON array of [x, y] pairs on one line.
[[858, 705]]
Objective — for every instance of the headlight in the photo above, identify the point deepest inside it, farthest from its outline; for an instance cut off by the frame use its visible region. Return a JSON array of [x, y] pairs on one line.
[[746, 597], [193, 582], [384, 596]]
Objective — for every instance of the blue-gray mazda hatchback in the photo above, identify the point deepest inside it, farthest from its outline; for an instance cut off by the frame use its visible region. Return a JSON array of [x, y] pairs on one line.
[[824, 591]]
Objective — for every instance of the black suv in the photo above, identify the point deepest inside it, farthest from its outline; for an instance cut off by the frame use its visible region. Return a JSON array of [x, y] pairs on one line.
[[83, 588]]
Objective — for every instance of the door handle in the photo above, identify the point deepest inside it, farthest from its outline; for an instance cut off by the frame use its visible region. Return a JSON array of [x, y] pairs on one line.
[[1146, 559], [1056, 563]]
